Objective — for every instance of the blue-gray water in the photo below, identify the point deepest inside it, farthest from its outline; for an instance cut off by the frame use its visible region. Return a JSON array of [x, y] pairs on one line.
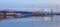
[[50, 21]]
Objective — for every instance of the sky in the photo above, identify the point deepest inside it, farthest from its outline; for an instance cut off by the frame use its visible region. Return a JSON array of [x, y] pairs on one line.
[[5, 4]]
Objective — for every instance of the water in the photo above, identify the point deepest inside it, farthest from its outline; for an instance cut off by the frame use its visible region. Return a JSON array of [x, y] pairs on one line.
[[47, 21]]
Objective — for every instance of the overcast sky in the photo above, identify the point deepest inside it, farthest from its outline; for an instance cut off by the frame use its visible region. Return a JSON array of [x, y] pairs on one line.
[[29, 3]]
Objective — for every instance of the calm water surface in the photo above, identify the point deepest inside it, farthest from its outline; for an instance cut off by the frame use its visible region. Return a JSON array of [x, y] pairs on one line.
[[47, 21]]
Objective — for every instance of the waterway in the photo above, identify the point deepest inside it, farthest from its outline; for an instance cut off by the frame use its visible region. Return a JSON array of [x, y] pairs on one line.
[[36, 21]]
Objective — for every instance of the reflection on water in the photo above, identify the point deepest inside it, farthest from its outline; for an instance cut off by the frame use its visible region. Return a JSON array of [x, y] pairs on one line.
[[43, 21]]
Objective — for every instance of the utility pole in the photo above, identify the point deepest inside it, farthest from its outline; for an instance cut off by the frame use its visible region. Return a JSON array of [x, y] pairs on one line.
[[52, 12]]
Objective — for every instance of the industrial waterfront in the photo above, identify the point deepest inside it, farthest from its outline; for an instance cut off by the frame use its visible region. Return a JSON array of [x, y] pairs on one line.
[[29, 19], [18, 14]]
